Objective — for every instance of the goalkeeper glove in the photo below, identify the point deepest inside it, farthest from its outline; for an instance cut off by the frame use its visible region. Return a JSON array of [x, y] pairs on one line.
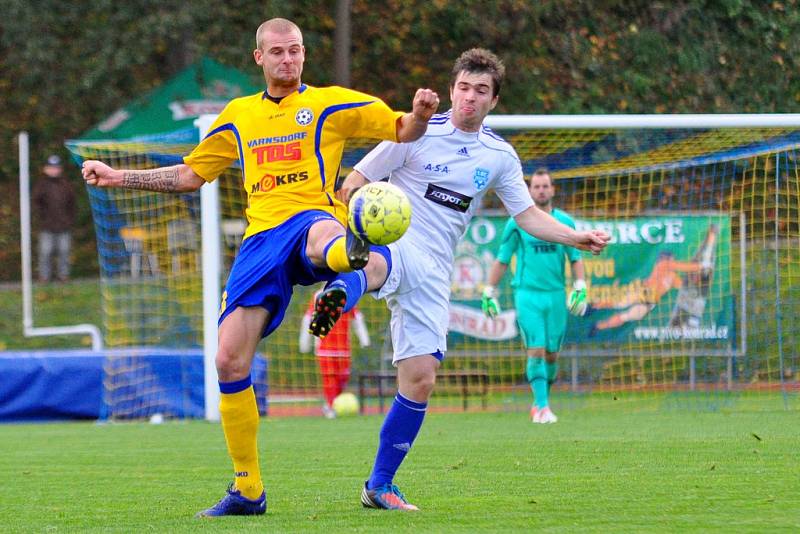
[[489, 303], [576, 303]]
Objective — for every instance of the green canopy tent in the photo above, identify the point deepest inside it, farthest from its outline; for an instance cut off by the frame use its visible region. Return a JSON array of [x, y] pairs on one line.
[[148, 243], [204, 87]]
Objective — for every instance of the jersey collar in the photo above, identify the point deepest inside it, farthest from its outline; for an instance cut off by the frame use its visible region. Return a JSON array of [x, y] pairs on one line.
[[301, 89]]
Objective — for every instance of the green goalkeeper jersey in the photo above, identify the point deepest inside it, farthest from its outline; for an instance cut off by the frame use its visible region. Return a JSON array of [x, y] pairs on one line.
[[540, 264]]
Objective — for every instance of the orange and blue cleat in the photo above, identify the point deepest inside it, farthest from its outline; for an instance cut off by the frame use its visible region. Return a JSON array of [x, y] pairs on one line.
[[386, 497]]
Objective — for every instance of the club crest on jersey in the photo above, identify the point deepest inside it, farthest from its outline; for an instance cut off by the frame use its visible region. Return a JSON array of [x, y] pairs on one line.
[[480, 178], [304, 116]]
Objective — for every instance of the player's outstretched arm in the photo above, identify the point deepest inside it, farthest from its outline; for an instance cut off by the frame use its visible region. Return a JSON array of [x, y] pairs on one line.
[[412, 125], [540, 224], [350, 185], [176, 179]]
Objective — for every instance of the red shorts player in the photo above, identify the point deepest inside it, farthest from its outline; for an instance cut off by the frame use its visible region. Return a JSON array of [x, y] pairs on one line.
[[333, 351]]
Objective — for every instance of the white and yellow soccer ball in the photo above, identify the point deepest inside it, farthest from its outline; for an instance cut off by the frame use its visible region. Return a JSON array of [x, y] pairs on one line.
[[345, 404], [379, 213]]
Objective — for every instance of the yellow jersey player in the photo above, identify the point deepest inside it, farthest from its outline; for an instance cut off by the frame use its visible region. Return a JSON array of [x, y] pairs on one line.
[[288, 141]]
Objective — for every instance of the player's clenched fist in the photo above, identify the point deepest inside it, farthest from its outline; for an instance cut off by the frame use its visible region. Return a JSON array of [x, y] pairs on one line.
[[592, 240], [98, 174], [425, 104]]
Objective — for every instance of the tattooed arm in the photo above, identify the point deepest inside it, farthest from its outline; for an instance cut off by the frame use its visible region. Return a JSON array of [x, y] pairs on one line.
[[176, 179]]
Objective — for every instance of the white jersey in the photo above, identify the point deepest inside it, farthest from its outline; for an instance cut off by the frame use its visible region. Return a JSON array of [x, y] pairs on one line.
[[445, 174]]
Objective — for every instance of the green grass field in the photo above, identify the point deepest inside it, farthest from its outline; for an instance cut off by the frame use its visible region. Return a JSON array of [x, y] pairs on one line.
[[54, 304], [596, 471]]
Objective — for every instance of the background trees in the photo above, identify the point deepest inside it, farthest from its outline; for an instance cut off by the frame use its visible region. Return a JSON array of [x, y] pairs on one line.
[[64, 66]]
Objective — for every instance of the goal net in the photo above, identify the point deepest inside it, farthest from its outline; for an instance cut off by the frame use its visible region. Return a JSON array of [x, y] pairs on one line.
[[691, 304]]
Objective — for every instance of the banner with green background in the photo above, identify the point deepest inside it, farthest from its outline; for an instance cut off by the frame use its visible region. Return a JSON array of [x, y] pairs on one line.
[[662, 279]]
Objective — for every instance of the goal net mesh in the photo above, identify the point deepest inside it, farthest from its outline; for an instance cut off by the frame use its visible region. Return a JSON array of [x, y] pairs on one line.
[[692, 304]]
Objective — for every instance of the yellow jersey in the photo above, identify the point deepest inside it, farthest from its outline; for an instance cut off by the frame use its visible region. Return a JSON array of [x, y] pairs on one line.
[[290, 152]]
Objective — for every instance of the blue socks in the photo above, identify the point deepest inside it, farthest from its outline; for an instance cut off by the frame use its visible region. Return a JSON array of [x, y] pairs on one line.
[[354, 283], [399, 430]]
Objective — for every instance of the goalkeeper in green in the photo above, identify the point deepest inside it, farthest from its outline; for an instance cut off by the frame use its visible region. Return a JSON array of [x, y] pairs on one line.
[[539, 295]]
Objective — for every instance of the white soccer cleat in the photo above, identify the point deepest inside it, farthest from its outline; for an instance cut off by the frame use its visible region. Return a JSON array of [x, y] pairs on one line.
[[328, 412], [534, 413], [544, 416]]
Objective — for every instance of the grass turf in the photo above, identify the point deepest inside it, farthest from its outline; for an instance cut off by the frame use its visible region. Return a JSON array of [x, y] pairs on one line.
[[54, 304], [596, 470]]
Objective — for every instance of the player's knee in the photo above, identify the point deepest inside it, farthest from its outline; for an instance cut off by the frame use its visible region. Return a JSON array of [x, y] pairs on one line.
[[376, 270], [425, 385], [321, 236], [420, 386], [231, 365]]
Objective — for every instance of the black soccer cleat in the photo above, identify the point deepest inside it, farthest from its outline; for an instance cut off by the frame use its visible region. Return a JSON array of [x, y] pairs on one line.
[[357, 251], [327, 310]]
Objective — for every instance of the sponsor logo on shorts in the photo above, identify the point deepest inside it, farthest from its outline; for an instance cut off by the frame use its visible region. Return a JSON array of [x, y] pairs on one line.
[[448, 198]]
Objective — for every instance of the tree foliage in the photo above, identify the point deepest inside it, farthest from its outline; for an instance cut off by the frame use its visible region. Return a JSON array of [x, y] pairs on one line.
[[64, 66]]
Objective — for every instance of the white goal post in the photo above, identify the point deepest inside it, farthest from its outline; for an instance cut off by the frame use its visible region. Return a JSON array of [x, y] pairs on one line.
[[212, 271], [210, 217]]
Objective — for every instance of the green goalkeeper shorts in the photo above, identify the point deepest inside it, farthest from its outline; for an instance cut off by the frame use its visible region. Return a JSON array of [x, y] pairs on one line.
[[542, 318]]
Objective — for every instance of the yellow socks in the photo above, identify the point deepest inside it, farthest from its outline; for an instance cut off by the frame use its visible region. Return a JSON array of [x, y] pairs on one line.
[[239, 413], [336, 256]]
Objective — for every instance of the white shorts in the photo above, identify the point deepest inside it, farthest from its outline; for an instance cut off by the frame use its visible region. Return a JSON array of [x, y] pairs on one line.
[[417, 293]]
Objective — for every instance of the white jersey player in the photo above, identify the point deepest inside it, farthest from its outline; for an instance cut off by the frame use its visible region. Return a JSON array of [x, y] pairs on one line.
[[444, 174]]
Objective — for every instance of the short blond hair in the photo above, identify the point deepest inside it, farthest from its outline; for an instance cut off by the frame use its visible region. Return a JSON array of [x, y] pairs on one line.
[[277, 25]]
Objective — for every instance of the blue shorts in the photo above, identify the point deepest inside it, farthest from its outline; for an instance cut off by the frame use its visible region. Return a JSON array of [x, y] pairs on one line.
[[269, 263]]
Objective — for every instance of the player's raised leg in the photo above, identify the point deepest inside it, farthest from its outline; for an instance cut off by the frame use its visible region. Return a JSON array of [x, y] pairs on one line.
[[342, 293], [329, 244], [239, 335]]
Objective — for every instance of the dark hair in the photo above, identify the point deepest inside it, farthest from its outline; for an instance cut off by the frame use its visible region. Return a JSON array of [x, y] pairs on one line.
[[479, 61]]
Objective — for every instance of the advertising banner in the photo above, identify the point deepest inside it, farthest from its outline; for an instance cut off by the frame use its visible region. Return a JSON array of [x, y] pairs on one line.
[[662, 279]]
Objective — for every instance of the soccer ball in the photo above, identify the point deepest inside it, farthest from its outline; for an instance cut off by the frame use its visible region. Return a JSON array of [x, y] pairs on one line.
[[345, 404], [379, 213]]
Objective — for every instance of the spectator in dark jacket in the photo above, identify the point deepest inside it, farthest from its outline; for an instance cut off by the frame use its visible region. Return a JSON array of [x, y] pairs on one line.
[[54, 213]]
